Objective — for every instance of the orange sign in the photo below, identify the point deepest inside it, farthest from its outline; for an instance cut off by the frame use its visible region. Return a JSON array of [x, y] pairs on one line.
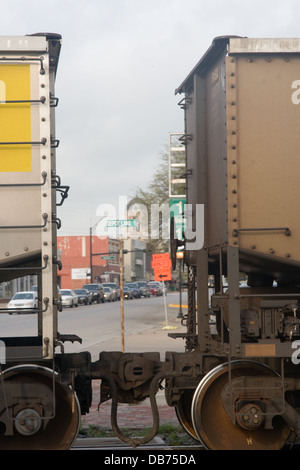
[[161, 264]]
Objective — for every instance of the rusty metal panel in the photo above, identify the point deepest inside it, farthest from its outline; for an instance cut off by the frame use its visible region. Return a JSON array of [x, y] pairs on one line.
[[216, 147], [205, 117], [263, 122], [195, 151]]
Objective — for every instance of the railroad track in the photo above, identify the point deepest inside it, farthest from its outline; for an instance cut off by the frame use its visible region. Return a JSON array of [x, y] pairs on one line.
[[109, 444]]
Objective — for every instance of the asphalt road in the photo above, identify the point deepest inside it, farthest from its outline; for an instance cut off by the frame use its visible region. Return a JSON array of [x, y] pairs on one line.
[[146, 325]]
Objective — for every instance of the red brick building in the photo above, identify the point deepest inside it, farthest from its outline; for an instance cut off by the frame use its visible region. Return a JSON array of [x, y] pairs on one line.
[[77, 262]]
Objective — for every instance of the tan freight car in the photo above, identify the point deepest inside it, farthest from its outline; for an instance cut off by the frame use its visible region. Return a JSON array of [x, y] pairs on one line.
[[242, 118], [243, 146]]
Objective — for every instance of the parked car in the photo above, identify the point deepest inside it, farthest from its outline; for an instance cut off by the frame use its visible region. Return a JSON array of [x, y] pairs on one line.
[[155, 288], [127, 294], [163, 287], [109, 294], [23, 300], [69, 298], [97, 290], [144, 289], [114, 286], [134, 289], [84, 296]]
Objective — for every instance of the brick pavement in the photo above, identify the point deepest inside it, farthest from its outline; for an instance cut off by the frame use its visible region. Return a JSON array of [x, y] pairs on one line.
[[129, 416]]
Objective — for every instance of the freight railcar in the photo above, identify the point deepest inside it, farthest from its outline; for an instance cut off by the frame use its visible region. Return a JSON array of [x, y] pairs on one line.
[[237, 385], [242, 138]]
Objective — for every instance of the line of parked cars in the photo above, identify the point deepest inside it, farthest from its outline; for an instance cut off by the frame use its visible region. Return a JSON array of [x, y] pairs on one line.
[[89, 293], [138, 289]]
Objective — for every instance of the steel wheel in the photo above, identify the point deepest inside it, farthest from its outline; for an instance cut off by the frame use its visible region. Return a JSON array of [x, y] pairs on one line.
[[183, 413], [26, 388], [212, 424]]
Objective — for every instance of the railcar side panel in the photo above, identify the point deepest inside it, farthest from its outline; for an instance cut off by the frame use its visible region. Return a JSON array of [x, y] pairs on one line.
[[263, 156]]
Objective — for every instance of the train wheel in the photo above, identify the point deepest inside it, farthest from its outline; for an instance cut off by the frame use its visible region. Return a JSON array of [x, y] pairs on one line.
[[183, 412], [46, 414], [214, 427]]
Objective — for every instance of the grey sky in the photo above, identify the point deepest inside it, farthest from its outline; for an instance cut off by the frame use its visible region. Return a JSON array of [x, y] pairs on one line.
[[120, 64]]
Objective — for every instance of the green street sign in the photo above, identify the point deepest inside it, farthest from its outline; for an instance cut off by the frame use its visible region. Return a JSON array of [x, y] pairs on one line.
[[177, 210], [121, 223], [107, 257]]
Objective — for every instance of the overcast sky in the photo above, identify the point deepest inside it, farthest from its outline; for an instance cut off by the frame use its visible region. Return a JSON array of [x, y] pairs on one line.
[[120, 64]]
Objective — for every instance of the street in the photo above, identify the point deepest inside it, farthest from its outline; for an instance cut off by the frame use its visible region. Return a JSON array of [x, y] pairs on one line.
[[146, 325]]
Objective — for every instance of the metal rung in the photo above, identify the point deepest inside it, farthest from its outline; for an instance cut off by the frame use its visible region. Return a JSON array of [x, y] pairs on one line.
[[41, 100], [45, 217], [53, 101], [42, 142], [44, 176], [24, 268], [286, 230], [25, 59]]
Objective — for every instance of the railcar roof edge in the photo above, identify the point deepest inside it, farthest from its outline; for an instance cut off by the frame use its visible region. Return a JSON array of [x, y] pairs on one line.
[[239, 45], [218, 44]]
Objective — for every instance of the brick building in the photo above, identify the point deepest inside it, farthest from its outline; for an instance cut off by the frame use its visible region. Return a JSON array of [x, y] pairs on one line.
[[77, 262]]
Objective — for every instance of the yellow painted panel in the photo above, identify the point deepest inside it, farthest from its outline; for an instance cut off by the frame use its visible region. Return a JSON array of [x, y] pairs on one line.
[[15, 118]]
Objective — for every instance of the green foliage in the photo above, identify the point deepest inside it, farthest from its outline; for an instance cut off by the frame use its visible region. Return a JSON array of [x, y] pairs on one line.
[[172, 435], [156, 193]]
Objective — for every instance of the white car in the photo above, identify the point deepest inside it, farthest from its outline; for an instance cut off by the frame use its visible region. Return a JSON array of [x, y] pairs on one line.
[[23, 300], [109, 294], [69, 298]]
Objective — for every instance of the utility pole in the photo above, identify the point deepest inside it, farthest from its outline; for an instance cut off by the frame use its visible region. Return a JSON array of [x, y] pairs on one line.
[[91, 248], [121, 295], [91, 256], [179, 255]]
